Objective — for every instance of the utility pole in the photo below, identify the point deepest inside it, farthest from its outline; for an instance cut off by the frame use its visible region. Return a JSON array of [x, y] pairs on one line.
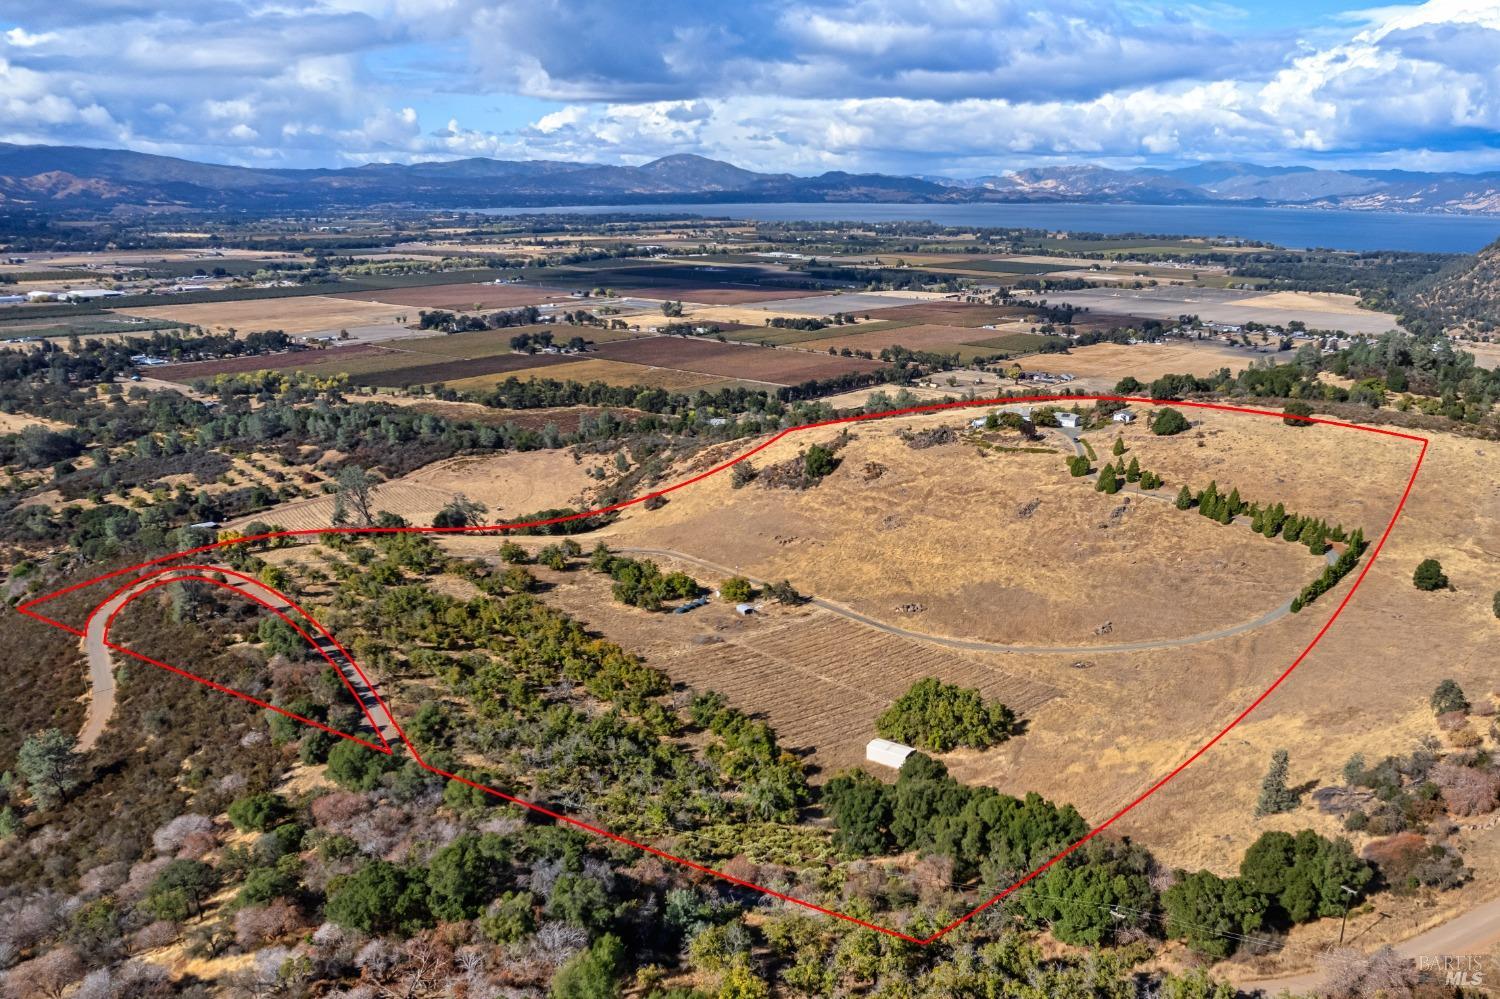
[[1349, 893]]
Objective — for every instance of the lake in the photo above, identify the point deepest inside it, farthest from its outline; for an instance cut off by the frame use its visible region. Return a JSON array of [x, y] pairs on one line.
[[1293, 227]]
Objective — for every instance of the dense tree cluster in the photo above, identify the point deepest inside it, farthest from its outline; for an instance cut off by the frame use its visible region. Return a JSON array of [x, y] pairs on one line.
[[939, 716]]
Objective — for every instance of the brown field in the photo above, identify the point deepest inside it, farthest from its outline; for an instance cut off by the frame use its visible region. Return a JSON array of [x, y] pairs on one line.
[[294, 314], [410, 361], [295, 360], [948, 313], [610, 373], [964, 341], [1099, 366], [511, 485], [464, 297], [740, 315], [732, 360]]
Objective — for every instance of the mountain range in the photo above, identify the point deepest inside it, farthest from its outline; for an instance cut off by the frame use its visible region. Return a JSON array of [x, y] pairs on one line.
[[83, 179]]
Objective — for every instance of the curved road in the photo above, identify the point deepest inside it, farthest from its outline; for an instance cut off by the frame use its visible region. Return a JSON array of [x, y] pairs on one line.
[[101, 704]]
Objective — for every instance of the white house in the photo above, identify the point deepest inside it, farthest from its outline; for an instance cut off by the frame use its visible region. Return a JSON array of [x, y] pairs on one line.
[[887, 753], [1123, 416], [1068, 420]]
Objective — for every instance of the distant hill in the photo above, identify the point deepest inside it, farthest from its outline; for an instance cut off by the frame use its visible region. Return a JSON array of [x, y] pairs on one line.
[[75, 178], [1465, 294]]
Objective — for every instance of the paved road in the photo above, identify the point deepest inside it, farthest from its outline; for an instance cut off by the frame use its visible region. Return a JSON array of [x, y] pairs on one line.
[[1476, 932], [101, 662]]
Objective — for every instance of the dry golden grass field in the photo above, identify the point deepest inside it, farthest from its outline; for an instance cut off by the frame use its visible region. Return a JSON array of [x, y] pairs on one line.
[[1100, 366], [940, 528], [510, 485], [293, 314], [14, 423], [611, 373]]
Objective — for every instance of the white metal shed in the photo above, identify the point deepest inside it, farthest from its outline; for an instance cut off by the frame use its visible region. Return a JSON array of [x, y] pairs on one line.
[[887, 753]]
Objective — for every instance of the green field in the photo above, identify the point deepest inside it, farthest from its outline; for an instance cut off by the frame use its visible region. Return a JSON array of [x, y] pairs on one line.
[[1012, 343], [1009, 266]]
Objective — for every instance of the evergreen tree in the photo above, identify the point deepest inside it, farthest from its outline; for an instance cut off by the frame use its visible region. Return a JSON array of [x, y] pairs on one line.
[[1275, 795], [1184, 498], [1235, 503], [1133, 473], [51, 767], [1108, 482], [1429, 576], [1119, 447]]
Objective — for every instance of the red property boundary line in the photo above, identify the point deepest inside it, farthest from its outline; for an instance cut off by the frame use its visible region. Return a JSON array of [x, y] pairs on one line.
[[27, 608]]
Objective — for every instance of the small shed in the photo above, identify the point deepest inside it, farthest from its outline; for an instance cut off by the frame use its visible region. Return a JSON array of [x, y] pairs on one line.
[[744, 610], [1123, 416], [887, 753], [1068, 420]]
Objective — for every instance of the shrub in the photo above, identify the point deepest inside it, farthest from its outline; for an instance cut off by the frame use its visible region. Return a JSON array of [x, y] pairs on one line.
[[355, 768], [1078, 465], [818, 461], [1169, 421], [1429, 575], [258, 812], [1448, 696], [179, 890], [1293, 410], [736, 590], [379, 898]]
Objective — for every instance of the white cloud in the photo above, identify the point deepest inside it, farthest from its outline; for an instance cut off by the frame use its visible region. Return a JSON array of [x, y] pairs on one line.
[[936, 86]]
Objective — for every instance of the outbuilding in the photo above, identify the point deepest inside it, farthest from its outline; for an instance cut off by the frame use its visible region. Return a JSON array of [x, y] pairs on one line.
[[887, 753], [1123, 416], [1068, 420]]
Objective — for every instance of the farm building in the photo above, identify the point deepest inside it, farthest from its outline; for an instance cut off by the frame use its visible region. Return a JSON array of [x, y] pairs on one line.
[[1124, 416], [1068, 420], [887, 753]]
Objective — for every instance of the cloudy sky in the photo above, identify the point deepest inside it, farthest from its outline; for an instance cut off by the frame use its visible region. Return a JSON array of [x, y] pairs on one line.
[[953, 87]]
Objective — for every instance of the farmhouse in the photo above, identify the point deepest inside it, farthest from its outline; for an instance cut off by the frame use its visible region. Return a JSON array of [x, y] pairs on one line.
[[1068, 421], [887, 753], [1124, 416]]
